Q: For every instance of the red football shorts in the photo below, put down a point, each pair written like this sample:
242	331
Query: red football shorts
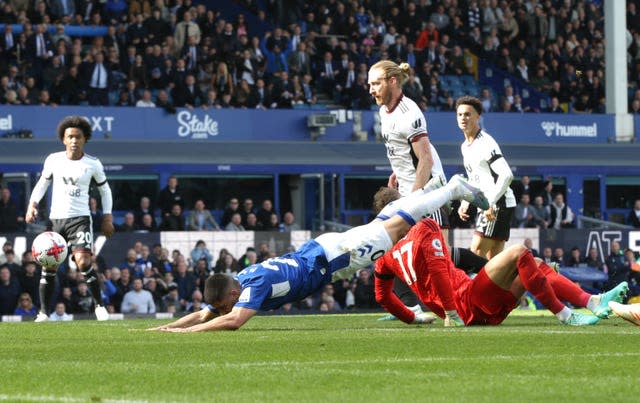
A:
484	303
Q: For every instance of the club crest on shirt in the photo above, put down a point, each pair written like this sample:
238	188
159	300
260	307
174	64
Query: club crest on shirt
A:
437	245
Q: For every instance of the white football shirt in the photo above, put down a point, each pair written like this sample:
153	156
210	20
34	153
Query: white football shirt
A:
71	182
478	156
401	126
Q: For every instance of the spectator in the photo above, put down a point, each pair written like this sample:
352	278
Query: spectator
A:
10	219
363	290
138	300
9	291
593	259
546	194
558	256
523	216
200	252
616	266
14	267
170	195
633	218
252	223
144	208
145	101
174	221
554	106
187	94
529	244
29	278
129	224
229	265
289	222
575	258
541	214
274	223
65	298
171	301
561	215
60	314
25	306
233	206
250	257
264	212
98	81
235	224
185	29
82	299
186	281
201	219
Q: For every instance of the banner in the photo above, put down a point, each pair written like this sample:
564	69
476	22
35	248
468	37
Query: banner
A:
147	124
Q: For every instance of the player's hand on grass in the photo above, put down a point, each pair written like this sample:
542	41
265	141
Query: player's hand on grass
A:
452	319
107	225
423	318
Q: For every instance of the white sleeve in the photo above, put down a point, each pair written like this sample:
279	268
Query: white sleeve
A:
505	176
105	196
39	190
103	188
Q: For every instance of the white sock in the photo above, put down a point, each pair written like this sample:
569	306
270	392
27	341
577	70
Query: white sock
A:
415	309
415	206
564	314
593	303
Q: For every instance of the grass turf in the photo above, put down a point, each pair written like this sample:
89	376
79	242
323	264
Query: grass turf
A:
341	358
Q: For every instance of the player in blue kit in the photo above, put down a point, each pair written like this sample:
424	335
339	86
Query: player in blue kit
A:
232	301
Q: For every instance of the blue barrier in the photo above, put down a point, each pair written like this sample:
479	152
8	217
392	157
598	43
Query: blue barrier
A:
584	274
291	125
71	30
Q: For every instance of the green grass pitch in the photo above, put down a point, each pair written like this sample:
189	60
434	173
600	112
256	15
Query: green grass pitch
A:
322	358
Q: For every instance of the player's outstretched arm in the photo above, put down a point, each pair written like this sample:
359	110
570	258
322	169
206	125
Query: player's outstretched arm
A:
192	319
230	321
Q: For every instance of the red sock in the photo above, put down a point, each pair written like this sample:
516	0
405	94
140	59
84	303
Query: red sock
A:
565	289
536	283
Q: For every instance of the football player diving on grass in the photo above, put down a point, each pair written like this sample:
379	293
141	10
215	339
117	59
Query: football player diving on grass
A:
422	260
232	301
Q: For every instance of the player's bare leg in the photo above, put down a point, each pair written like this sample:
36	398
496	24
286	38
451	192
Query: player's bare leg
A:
486	247
517	263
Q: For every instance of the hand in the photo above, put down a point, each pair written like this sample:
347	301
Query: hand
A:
463	212
107	225
422	318
393	181
176	330
32	213
452	319
490	214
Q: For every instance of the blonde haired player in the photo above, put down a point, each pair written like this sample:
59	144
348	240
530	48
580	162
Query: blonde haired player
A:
71	172
414	160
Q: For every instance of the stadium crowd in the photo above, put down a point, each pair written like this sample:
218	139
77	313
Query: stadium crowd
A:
172	54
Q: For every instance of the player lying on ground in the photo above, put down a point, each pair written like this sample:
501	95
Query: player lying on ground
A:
294	276
630	312
72	172
421	258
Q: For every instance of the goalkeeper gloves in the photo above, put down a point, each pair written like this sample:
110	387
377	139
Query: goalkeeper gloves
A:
452	319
